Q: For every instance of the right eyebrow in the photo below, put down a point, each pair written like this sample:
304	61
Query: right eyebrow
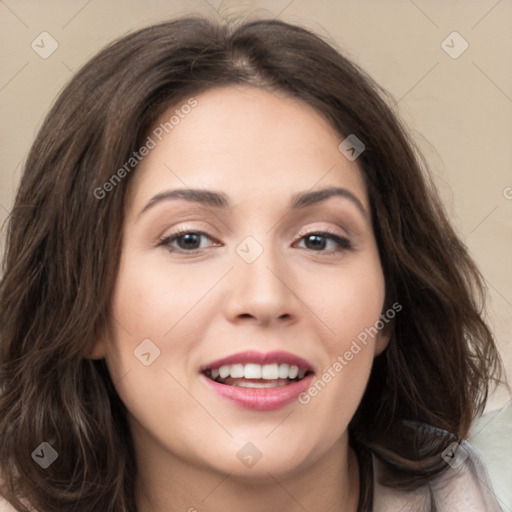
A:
205	197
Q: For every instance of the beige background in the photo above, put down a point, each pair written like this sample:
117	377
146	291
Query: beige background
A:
459	109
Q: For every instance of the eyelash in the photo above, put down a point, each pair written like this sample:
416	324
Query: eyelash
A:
344	244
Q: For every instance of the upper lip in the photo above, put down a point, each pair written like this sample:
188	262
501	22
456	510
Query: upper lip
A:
250	356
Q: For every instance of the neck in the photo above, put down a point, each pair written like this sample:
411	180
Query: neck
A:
330	484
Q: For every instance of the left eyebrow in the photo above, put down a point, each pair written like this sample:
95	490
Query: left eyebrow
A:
214	199
308	198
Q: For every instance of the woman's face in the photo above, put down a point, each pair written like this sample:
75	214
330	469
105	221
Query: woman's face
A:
252	276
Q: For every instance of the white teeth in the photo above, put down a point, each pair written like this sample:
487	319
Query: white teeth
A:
237	371
252	371
283	371
224	371
294	371
272	371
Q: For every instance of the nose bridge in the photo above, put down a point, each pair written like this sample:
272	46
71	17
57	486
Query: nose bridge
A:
256	265
258	282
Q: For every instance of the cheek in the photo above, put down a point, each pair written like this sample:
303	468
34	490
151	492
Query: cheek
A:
142	294
148	336
156	317
138	303
350	306
350	303
151	299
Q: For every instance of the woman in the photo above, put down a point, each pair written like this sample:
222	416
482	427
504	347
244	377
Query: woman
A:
229	286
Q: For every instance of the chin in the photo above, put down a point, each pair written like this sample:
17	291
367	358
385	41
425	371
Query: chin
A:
287	454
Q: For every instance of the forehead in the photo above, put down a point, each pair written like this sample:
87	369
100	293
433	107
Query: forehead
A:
245	141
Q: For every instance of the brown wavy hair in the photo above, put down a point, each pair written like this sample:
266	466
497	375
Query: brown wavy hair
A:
63	249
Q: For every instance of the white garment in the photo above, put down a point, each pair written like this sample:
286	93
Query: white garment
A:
465	488
491	436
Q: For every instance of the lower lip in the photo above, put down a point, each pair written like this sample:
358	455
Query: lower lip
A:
260	399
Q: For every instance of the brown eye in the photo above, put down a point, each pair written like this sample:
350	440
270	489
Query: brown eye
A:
186	241
318	242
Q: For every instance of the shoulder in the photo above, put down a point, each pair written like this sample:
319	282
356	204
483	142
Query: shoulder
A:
5	507
491	436
464	485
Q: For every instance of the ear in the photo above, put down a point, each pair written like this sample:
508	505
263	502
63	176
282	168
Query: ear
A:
98	352
99	349
383	338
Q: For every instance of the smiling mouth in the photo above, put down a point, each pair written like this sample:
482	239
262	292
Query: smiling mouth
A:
253	375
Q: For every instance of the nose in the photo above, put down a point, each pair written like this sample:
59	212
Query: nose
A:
263	291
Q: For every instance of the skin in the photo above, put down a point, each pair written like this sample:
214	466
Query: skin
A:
259	148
